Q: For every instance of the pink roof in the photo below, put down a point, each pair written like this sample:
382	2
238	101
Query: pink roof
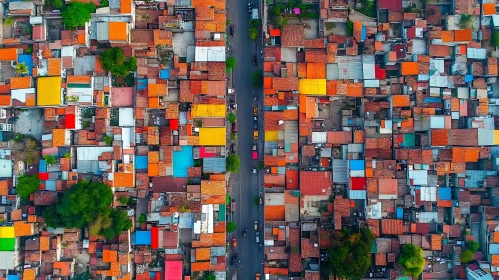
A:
390	5
122	96
204	154
173	270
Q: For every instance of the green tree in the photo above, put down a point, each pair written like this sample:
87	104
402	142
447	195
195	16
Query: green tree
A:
142	219
349	28
123	199
466	21
22	69
411	259
230	63
467	256
253	33
257	78
104	3
472	245
120	223
232	118
209	276
108	140
26	185
256	200
231	227
67	155
114	61
279	21
82	203
495	38
77	14
233	162
26	149
56	4
50	159
9	21
351	254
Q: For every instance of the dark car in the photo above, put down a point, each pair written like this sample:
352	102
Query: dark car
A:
255	125
234	127
233	148
254	60
232	29
234	260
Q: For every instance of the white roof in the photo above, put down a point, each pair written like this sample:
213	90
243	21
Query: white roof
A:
7	259
20	94
91	153
126	117
5	168
428	193
210	54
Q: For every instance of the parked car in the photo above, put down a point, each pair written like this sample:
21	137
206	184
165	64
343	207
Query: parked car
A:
234	127
256	225
234	243
254	155
254	171
255	124
255	134
254	60
233	148
257	238
255	110
254	147
232	29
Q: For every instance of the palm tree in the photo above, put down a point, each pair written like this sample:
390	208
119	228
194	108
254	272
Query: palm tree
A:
22	69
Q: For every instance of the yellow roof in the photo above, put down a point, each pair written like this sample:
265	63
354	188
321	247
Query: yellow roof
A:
48	91
212	136
208	110
271	136
7	232
312	86
496	137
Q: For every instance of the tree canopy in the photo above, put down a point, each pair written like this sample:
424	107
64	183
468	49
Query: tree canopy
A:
26	185
233	162
466	21
77	14
232	118
472	245
88	203
257	78
467	256
114	61
231	227
495	38
50	159
230	63
26	149
411	259
22	69
350	254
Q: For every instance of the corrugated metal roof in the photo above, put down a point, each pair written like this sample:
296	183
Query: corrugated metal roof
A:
214	165
340	171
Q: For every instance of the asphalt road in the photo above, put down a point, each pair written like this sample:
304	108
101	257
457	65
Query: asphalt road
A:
245	184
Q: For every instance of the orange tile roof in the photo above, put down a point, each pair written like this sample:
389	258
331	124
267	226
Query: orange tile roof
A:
153	157
58	137
125	6
53	66
409	68
5	100
464	35
118	31
64	267
20	82
316	70
489	9
22	228
162	37
401	101
8	54
275	213
123	180
200	266
154	90
202	254
153	169
44	243
78	79
29	274
4	187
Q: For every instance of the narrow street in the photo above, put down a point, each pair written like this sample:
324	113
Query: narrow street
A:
245	184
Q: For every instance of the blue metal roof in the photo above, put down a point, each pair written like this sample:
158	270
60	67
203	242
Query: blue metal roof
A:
42	167
141	162
12	277
50	185
143	237
357	164
142	84
164	74
181	161
444	193
27	59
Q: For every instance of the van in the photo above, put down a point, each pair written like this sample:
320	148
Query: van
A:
254	13
257	238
